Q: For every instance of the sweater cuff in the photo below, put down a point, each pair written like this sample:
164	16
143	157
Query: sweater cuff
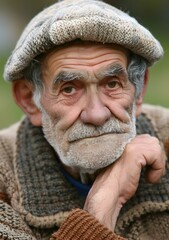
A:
80	225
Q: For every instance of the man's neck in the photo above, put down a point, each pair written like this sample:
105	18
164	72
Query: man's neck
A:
86	177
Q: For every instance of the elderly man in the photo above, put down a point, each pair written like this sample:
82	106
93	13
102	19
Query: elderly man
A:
86	162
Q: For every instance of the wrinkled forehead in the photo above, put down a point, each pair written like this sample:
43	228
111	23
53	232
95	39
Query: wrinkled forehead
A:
83	59
82	49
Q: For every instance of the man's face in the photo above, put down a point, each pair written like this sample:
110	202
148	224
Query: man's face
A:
87	104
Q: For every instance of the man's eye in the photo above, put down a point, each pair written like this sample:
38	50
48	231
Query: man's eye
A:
68	90
112	84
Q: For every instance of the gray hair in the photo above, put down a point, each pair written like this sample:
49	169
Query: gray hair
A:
136	72
33	74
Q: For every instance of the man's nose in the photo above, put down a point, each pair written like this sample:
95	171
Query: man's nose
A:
95	111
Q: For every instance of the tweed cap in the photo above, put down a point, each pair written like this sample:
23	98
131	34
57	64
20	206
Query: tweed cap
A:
88	20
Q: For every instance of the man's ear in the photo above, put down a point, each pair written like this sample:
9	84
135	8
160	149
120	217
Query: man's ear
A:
23	95
140	98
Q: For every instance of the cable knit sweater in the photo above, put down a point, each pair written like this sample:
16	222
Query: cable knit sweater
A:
37	202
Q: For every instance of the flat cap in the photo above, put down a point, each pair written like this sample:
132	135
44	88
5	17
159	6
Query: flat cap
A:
88	20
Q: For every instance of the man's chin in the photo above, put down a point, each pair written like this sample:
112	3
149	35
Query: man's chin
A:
91	154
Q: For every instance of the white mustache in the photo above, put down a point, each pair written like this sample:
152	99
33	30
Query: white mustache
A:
79	130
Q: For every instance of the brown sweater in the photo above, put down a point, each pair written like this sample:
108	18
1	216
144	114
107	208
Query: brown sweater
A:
37	202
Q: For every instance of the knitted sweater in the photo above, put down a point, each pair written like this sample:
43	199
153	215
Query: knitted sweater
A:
37	202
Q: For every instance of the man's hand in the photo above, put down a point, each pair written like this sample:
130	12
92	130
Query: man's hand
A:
119	182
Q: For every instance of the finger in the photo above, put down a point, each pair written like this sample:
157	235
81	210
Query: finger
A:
156	170
154	176
144	138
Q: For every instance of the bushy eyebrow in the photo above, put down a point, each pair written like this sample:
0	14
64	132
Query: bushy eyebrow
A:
113	70
67	76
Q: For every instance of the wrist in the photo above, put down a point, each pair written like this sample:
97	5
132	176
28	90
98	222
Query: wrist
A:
104	214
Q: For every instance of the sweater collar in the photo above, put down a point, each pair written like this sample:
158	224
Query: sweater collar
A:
43	189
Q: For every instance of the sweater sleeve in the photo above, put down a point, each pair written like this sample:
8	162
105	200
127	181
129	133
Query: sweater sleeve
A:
11	224
80	225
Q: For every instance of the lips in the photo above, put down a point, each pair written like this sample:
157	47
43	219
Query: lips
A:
83	136
80	130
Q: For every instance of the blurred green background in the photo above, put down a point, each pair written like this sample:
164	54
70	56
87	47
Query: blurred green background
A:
14	15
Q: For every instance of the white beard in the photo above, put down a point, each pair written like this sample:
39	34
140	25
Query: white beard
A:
86	147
